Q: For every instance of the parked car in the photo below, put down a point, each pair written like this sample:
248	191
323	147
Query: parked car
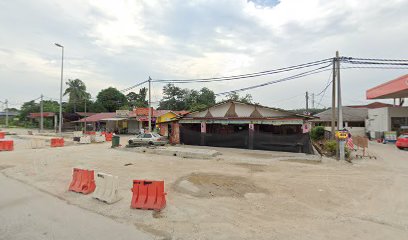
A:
402	141
148	139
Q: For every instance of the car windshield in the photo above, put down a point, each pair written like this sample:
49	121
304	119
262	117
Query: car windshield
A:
403	136
156	135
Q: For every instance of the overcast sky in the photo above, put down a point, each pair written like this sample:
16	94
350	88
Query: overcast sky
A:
120	43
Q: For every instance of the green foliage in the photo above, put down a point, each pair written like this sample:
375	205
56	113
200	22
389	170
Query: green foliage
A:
175	98
138	99
330	146
76	91
317	133
111	99
233	96
312	111
96	107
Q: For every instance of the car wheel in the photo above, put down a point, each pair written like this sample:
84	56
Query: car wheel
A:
400	148
130	142
150	143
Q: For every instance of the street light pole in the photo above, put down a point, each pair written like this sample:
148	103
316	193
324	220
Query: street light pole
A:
62	73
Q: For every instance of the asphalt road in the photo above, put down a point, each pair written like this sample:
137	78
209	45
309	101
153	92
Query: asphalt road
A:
27	213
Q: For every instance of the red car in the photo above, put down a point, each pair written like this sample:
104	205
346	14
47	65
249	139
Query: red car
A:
402	141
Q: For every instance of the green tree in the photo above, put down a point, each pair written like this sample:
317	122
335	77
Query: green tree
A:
76	91
173	98
111	99
138	99
233	96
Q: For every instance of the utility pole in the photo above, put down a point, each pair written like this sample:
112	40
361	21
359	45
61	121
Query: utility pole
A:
60	100
339	109
6	110
150	105
313	101
333	117
41	114
307	102
85	116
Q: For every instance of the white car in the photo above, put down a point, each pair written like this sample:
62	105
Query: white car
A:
148	139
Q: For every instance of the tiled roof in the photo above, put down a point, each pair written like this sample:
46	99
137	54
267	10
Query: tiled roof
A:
98	116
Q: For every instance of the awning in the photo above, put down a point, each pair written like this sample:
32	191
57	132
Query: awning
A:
397	88
113	119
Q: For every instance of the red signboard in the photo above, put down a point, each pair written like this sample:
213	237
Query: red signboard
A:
142	111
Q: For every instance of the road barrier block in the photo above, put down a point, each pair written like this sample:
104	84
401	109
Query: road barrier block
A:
85	140
6	145
78	134
148	195
2	135
37	143
57	142
108	137
82	181
90	133
106	188
99	139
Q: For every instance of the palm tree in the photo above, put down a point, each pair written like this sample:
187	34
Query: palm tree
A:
76	91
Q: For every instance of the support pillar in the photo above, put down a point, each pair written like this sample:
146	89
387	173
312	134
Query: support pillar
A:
251	136
203	132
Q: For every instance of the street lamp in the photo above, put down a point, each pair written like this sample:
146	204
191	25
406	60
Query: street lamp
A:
62	72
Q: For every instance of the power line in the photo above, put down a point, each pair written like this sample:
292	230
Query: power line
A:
249	75
303	74
130	88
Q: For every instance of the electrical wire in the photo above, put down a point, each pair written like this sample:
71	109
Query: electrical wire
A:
137	85
249	75
303	74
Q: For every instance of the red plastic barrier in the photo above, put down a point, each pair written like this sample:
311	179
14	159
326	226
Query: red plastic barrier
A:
2	134
57	142
83	181
148	195
6	145
90	133
108	137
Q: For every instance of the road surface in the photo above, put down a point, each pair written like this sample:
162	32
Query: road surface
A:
27	213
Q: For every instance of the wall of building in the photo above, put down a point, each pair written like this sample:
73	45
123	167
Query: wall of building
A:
379	119
133	126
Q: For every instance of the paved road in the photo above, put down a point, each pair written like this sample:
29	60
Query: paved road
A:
26	213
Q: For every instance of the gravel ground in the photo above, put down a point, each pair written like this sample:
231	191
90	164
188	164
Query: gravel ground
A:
239	194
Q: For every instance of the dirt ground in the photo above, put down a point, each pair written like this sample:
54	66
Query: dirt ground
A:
239	194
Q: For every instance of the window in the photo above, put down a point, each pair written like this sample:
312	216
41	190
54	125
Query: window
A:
147	135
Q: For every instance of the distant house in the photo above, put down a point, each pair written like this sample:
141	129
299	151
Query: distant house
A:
11	115
251	126
168	126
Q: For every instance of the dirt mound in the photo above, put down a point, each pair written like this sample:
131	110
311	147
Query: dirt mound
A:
207	185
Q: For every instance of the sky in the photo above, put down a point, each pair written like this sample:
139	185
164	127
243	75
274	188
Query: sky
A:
121	43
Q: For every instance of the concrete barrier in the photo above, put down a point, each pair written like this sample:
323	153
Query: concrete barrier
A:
85	140
37	143
106	188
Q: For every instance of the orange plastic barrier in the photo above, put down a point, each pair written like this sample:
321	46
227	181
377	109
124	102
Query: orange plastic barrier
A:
57	142
82	181
108	137
148	195
2	134
6	145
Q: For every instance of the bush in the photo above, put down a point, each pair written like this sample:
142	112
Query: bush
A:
317	133
330	146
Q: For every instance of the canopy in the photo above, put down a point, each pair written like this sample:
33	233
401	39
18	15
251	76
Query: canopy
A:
397	88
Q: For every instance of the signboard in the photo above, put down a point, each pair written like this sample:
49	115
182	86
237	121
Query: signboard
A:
122	113
390	136
341	135
251	126
142	111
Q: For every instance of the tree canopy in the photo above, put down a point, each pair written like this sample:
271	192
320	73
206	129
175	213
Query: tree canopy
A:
138	99
236	97
76	91
176	98
111	99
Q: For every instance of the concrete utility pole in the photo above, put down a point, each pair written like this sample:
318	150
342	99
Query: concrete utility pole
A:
307	102
6	110
150	105
85	116
41	114
313	100
62	74
339	109
333	117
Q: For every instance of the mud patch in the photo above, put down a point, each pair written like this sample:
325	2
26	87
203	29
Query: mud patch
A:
253	167
2	167
310	161
207	185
